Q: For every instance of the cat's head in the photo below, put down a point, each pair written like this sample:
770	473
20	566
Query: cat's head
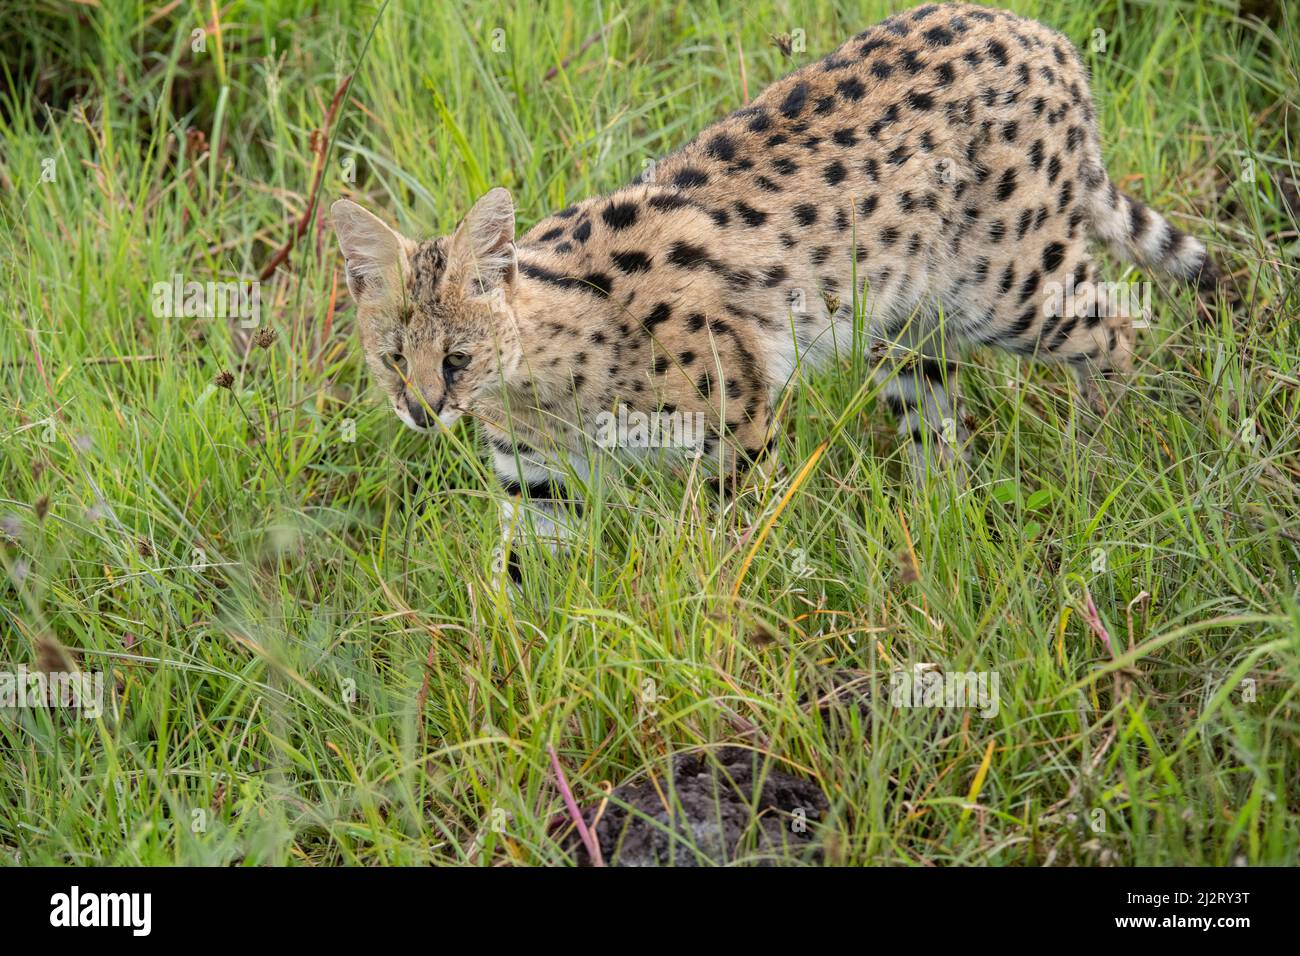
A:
436	317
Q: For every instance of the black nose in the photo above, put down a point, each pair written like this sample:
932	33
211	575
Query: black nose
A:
419	414
423	412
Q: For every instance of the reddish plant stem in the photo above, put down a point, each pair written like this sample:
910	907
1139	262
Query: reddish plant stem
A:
593	849
321	149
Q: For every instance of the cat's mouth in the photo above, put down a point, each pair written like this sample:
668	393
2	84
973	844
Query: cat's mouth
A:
445	418
405	417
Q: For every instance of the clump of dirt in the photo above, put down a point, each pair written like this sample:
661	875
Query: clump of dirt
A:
842	688
713	808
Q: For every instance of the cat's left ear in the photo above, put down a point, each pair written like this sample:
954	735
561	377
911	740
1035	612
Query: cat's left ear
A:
485	242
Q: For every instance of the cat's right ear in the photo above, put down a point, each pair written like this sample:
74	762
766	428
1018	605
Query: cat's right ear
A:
375	253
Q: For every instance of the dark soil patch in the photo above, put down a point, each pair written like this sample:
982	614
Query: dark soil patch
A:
717	807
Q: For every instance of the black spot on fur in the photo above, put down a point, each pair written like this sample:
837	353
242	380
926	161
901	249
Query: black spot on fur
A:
665	201
1067	194
659	315
1052	256
752	216
911	62
619	215
759	121
1036	155
1029	286
631	261
890	116
721	147
687	255
1006	185
851	88
794	101
1007	280
596	283
1137	219
599	283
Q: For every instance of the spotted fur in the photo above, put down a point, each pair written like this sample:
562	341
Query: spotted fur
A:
941	171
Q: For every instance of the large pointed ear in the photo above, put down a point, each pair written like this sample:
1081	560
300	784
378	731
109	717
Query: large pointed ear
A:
373	251
485	241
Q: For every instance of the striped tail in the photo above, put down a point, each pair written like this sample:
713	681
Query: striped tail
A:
1139	234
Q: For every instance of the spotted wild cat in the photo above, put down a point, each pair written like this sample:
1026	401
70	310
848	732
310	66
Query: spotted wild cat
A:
940	175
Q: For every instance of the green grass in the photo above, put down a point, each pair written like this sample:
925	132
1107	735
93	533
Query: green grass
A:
307	658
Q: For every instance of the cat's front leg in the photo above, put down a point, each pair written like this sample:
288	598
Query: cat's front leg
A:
541	502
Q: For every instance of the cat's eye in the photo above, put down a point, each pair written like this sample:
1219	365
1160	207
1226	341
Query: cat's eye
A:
395	361
456	360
